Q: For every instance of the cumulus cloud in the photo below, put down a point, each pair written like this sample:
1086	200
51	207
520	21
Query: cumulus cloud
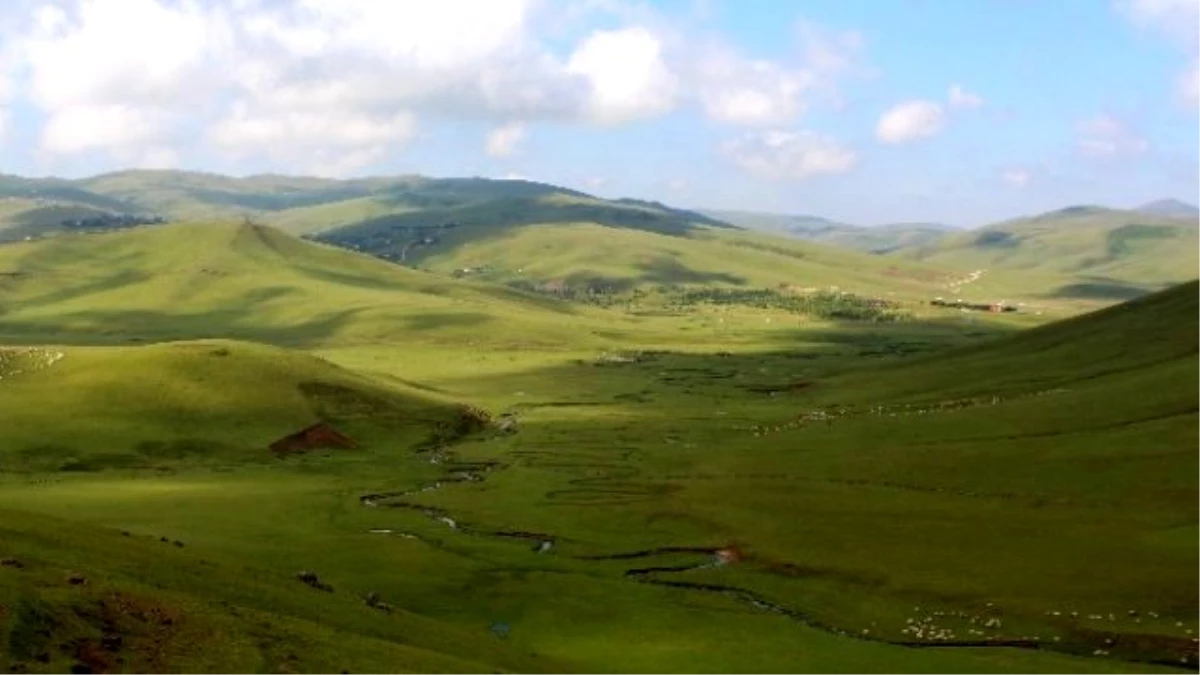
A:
1105	136
305	81
1016	177
734	88
1177	22
1189	85
792	155
503	141
961	98
309	83
910	121
746	91
629	79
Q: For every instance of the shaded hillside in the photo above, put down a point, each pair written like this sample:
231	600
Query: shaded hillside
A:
1170	207
403	236
1152	330
85	598
209	402
243	281
875	239
31	208
1112	254
609	258
360	208
364	208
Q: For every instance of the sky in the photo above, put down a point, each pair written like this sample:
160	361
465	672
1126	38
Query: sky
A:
866	111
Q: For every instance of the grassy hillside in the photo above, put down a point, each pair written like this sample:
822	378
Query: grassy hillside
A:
876	239
207	402
711	478
997	491
244	281
1110	254
590	254
1039	489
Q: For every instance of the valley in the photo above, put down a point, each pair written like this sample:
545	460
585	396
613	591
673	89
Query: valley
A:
228	447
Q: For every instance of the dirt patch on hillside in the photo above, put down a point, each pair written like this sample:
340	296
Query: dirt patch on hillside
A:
319	435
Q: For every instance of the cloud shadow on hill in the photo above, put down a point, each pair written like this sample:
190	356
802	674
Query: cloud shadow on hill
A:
1101	288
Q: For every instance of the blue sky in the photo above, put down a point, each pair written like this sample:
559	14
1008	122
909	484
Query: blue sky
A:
869	111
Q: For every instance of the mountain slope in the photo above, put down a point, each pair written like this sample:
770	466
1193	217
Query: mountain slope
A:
595	254
877	239
302	205
243	281
1170	207
1142	333
1109	252
189	402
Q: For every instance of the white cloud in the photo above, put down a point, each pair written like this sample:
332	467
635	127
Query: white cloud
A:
1177	21
910	121
595	182
1105	136
629	79
1016	177
960	98
1189	85
263	77
789	155
503	141
677	184
326	142
736	89
338	86
744	91
91	126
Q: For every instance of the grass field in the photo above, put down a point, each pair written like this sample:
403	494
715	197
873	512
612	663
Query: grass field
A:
541	485
1115	255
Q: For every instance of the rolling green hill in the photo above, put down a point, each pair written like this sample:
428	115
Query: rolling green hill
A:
207	402
572	245
876	239
878	505
1110	254
248	282
1039	488
303	205
714	478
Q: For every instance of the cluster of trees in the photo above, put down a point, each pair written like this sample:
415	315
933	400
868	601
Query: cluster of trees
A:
110	220
592	294
822	304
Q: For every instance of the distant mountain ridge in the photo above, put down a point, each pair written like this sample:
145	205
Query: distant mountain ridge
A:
1118	253
32	207
1170	207
868	239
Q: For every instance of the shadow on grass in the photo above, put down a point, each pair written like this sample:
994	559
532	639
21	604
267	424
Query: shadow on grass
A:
1101	289
436	320
125	326
497	216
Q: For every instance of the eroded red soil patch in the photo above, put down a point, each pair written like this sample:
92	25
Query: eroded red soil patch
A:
319	435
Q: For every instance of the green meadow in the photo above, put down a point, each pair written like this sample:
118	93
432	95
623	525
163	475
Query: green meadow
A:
646	481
